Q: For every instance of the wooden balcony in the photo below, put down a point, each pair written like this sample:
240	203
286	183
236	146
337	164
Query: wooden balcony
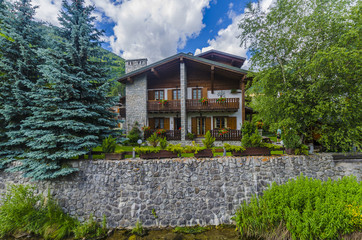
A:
170	134
170	106
232	135
229	105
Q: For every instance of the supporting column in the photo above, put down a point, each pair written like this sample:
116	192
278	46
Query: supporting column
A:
242	83
183	86
212	79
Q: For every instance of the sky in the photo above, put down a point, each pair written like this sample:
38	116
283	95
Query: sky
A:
156	29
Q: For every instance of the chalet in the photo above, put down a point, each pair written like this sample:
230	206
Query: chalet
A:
187	94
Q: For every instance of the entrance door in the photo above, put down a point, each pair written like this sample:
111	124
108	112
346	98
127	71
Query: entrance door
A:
201	126
177	123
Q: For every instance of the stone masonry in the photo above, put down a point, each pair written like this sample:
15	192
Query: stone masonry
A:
136	105
183	191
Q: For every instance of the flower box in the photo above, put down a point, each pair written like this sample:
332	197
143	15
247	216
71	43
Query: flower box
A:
160	154
206	153
290	151
114	156
256	151
237	154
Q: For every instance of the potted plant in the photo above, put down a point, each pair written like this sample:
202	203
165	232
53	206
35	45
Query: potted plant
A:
208	144
235	150
221	100
154	139
109	146
176	149
259	125
204	101
254	145
160	132
163	102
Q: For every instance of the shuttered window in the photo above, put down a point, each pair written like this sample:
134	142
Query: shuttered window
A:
220	122
159	123
196	93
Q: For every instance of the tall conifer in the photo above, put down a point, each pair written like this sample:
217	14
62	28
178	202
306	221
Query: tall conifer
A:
71	109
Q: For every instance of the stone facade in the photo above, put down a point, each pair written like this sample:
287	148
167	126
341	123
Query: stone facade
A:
182	191
134	64
136	102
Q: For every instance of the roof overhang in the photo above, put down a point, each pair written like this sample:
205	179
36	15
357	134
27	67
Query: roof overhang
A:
180	57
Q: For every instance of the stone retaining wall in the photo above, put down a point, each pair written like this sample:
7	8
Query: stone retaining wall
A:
182	191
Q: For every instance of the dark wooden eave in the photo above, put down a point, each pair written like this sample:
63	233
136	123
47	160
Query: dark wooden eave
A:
180	57
223	57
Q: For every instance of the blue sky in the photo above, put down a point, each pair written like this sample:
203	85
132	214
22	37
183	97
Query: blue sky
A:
156	29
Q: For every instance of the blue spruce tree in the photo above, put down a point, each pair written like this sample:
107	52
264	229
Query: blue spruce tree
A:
69	101
18	43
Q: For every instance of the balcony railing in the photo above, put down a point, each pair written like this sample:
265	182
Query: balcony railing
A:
170	106
230	104
232	135
170	134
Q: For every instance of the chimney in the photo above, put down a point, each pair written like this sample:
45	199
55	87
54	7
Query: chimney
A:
134	64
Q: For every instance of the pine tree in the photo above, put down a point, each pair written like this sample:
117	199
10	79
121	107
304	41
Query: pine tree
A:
70	106
18	68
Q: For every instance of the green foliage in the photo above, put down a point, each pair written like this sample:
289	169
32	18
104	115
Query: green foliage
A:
163	143
299	82
191	136
145	150
134	135
233	148
175	148
109	144
208	141
91	229
307	208
154	140
190	230
138	229
272	147
195	148
248	128
22	209
302	150
254	140
291	140
154	213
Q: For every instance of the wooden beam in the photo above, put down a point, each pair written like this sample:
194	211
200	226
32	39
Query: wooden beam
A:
181	59
212	78
242	83
154	71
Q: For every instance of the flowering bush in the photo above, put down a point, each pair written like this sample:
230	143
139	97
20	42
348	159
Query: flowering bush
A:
223	131
146	128
160	131
163	101
203	100
259	124
221	100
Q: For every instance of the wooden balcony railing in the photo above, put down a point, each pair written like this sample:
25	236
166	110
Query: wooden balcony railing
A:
232	135
170	134
230	104
170	106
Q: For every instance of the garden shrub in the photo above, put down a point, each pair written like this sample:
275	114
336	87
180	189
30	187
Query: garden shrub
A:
306	208
233	148
253	140
175	148
153	140
163	143
134	135
208	141
145	150
109	144
291	140
248	128
23	210
195	148
191	136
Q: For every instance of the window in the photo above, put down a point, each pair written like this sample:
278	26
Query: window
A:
159	95
176	94
220	122
159	123
196	93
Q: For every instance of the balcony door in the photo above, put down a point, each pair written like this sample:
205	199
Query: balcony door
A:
200	125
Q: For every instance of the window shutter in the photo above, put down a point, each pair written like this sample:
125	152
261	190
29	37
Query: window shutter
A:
151	123
151	95
194	125
166	123
169	94
208	124
204	92
231	122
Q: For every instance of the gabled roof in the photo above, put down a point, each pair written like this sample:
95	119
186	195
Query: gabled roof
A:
182	56
216	55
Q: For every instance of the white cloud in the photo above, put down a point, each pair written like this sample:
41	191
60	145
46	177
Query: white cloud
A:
226	39
153	29
47	10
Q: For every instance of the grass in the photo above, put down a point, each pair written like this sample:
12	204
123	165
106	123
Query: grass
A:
190	230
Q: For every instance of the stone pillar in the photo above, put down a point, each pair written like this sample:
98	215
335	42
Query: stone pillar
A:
183	86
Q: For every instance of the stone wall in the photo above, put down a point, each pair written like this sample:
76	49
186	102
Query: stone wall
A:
182	191
136	102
